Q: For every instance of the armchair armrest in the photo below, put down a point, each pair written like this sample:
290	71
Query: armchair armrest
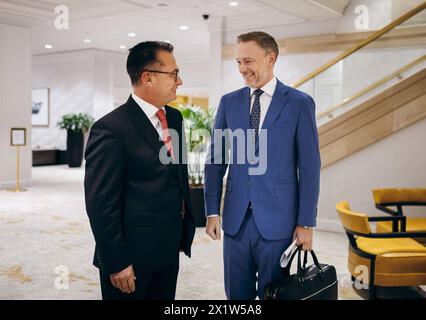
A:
397	235
394	220
387	210
389	235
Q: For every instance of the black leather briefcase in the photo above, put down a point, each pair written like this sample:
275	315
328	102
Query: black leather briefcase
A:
315	282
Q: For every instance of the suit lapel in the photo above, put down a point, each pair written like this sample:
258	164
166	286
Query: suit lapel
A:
244	116
279	100
173	123
143	125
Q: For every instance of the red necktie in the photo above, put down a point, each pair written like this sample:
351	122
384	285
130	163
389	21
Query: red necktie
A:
167	139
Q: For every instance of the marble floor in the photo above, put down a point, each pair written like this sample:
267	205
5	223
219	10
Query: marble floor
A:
45	239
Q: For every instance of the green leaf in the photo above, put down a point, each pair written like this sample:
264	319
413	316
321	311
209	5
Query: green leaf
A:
80	122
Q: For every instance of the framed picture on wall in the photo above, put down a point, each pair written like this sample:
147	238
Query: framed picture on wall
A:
40	107
18	137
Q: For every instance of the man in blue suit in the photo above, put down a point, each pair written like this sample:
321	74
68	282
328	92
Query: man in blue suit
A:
270	203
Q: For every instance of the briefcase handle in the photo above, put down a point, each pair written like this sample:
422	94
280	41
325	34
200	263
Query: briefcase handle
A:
286	270
314	258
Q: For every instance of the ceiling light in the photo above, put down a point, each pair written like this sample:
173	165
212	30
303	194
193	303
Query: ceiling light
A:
87	40
122	47
168	41
183	27
233	3
131	34
48	46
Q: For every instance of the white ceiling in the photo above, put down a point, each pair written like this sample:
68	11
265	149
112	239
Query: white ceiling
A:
107	22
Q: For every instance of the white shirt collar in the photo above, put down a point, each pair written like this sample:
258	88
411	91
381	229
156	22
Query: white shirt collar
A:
149	109
268	88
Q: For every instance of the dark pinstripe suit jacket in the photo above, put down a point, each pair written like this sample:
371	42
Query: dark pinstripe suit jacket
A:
133	200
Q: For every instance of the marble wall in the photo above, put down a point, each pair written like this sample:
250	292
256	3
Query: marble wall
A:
69	78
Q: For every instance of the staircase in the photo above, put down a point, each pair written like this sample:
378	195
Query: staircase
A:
372	129
388	95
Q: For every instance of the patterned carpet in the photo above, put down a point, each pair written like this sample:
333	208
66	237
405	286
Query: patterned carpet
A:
45	239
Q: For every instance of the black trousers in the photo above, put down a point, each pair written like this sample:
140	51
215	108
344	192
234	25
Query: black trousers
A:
149	286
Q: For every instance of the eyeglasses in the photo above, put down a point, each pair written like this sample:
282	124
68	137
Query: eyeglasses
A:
175	73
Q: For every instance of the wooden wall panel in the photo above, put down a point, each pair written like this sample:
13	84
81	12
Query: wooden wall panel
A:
381	116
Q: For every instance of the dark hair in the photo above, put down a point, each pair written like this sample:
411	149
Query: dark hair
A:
144	55
264	40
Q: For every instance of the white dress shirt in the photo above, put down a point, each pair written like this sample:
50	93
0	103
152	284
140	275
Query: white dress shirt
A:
150	112
265	99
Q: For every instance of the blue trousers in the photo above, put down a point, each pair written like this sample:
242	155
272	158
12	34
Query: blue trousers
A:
250	261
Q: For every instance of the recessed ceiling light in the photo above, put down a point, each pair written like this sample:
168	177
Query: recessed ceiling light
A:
168	41
48	46
131	34
87	40
233	3
122	47
183	27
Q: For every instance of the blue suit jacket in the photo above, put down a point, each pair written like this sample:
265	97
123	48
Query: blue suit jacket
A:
287	192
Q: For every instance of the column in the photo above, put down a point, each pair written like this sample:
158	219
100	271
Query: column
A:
15	102
215	63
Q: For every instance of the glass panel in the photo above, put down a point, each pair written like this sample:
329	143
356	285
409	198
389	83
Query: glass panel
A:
371	70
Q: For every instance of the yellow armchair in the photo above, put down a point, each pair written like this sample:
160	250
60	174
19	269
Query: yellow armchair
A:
399	198
392	259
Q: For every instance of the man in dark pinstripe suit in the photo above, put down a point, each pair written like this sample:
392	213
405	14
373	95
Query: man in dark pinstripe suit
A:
139	208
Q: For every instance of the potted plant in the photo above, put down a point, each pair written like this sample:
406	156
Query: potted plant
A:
76	125
198	128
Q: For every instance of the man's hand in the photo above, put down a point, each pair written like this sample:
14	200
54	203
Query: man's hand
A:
124	280
304	237
213	227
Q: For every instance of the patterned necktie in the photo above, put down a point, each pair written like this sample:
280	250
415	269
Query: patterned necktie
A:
167	139
255	117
